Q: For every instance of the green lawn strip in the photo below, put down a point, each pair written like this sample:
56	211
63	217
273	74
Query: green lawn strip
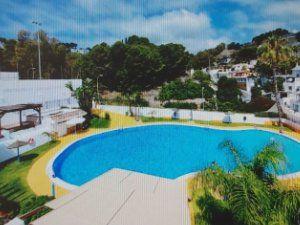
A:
211	123
160	119
13	175
221	124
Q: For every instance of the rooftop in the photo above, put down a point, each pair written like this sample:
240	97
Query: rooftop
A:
18	107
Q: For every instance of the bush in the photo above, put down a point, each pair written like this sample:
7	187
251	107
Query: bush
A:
259	104
107	116
226	106
98	122
34	203
180	105
9	207
214	211
267	114
189	89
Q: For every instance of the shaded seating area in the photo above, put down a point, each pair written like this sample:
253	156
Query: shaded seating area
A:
67	121
31	120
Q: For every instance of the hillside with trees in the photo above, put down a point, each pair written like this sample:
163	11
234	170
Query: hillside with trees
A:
135	65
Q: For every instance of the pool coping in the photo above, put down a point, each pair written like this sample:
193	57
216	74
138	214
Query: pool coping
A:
57	181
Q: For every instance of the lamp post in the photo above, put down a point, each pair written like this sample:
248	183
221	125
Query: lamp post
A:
39	48
99	76
202	97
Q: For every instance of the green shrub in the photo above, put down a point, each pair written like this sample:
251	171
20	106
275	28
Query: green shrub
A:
107	116
180	105
259	104
98	122
8	206
34	203
189	89
267	114
214	211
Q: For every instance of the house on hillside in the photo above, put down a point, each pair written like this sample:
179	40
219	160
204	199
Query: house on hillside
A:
292	88
244	73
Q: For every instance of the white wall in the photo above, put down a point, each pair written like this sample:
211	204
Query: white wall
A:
5	76
187	114
36	134
51	93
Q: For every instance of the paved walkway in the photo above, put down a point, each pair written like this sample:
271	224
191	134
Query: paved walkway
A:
122	197
38	179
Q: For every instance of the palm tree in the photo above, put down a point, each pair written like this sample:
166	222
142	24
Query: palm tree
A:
245	196
273	53
85	95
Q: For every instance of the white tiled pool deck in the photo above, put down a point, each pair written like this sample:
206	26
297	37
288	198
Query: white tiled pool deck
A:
121	197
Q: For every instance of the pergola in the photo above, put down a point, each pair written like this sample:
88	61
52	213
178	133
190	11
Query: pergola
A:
19	108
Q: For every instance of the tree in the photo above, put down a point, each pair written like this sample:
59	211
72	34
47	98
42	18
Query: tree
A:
258	40
175	58
136	40
245	54
228	90
142	67
250	194
85	95
203	58
189	89
234	46
202	77
298	36
273	53
255	92
23	36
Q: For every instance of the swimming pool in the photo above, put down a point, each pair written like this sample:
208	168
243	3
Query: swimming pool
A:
165	150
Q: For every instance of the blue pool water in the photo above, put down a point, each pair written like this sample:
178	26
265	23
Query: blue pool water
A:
168	151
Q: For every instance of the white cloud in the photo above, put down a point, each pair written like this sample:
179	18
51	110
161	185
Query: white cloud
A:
190	29
188	22
284	9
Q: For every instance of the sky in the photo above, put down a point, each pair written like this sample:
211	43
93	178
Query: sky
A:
197	24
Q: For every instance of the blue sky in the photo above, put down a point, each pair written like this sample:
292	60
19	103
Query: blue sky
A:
197	24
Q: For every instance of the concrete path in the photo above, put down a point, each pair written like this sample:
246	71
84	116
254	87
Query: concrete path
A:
121	197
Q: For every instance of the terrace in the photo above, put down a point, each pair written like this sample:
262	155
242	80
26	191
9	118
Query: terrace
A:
143	202
30	122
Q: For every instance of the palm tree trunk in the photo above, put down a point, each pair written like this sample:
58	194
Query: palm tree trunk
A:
277	99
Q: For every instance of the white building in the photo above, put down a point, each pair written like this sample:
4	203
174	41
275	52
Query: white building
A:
292	88
242	72
216	74
52	94
245	84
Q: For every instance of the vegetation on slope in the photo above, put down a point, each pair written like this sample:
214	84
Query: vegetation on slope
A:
16	195
250	194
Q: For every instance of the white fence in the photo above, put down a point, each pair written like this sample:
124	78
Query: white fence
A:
51	93
37	134
291	115
187	114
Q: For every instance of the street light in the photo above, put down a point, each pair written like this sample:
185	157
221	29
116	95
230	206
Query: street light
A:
202	98
99	76
39	48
